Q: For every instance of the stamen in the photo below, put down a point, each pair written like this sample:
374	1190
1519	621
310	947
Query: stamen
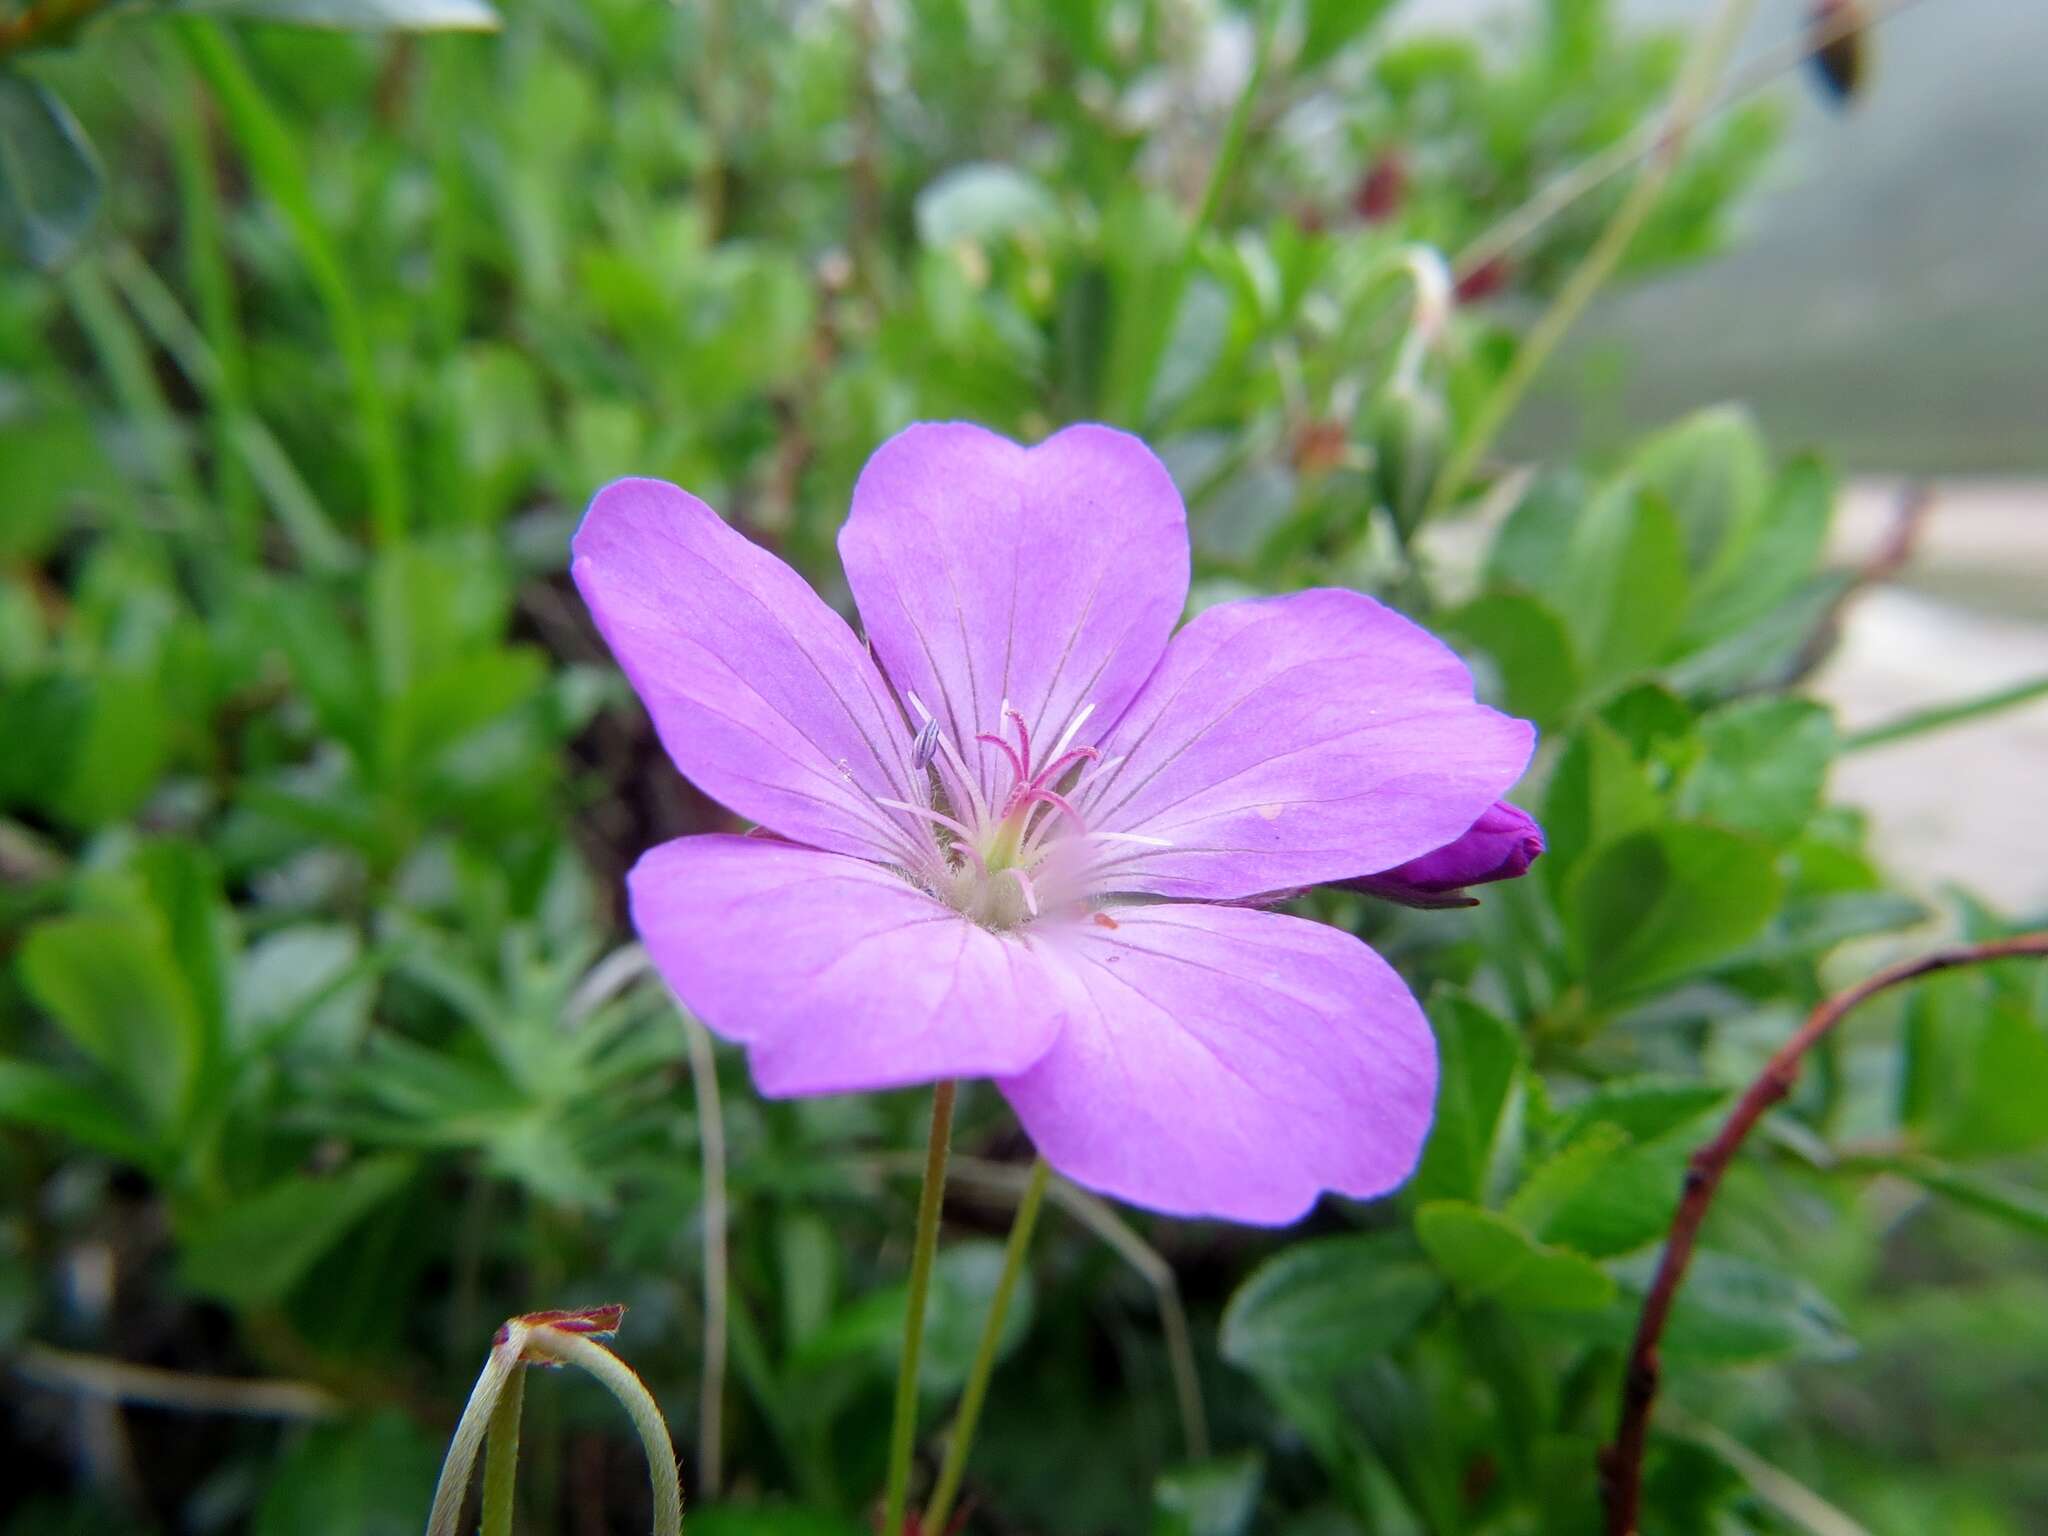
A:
926	746
973	854
1018	765
1073	729
1132	837
1050	774
928	813
1023	739
1054	798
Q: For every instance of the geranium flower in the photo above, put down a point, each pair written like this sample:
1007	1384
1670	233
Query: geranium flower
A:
1030	843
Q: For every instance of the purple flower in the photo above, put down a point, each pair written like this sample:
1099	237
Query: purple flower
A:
1500	845
1021	847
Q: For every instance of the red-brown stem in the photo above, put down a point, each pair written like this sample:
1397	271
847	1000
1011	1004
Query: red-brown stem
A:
1621	1464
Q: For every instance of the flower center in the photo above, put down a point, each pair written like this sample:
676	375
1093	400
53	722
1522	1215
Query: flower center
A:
1006	859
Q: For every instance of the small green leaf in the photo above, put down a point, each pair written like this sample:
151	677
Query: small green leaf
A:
49	177
370	1479
963	1283
1531	650
357	15
1598	795
2003	1109
112	986
2015	1204
1565	1175
1321	1307
1214	1498
1623	588
1644	1107
1777	558
1665	903
1486	1257
1478	1055
254	1251
1712	472
49	1101
1733	1310
1762	767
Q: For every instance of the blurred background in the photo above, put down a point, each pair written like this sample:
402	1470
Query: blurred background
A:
324	1045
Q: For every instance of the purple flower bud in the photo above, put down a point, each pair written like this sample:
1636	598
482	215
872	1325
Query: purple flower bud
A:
1500	845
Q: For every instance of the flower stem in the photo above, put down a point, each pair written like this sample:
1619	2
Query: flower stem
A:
711	1138
903	1436
501	1458
955	1464
450	1493
619	1378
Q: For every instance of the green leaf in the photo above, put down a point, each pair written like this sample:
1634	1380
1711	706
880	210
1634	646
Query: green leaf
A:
2003	1109
2015	1204
1643	1107
254	1251
1664	904
1531	651
1329	26
49	177
982	202
1733	1311
1556	1181
1325	1305
112	986
37	1096
1630	1204
305	988
1712	472
1762	766
1486	1257
357	15
1623	587
1478	1055
1531	550
1780	554
1214	1498
1598	794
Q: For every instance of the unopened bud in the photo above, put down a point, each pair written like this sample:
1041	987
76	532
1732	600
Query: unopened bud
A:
1382	189
1840	37
1500	845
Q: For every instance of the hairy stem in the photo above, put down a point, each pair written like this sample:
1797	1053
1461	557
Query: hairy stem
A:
955	1464
445	1518
1621	1464
903	1436
501	1458
623	1383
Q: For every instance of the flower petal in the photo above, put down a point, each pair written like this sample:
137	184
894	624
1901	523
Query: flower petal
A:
984	571
1220	1061
1288	741
761	694
838	975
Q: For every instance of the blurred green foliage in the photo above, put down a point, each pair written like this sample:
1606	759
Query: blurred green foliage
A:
316	790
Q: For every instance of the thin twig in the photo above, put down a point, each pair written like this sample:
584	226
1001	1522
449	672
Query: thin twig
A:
1565	189
711	1143
1621	1464
1673	130
63	1370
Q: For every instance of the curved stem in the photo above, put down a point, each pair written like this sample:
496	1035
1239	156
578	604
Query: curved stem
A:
501	1458
620	1379
445	1518
955	1464
903	1436
1687	100
1621	1464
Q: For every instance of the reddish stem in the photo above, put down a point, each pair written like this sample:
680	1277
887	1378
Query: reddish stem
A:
1621	1464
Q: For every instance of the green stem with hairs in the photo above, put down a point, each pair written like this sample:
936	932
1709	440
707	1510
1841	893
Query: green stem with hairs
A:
903	1435
1688	100
955	1465
1941	716
445	1519
501	1457
623	1383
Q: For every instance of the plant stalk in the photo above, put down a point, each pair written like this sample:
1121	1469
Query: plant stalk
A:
955	1465
501	1458
903	1436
